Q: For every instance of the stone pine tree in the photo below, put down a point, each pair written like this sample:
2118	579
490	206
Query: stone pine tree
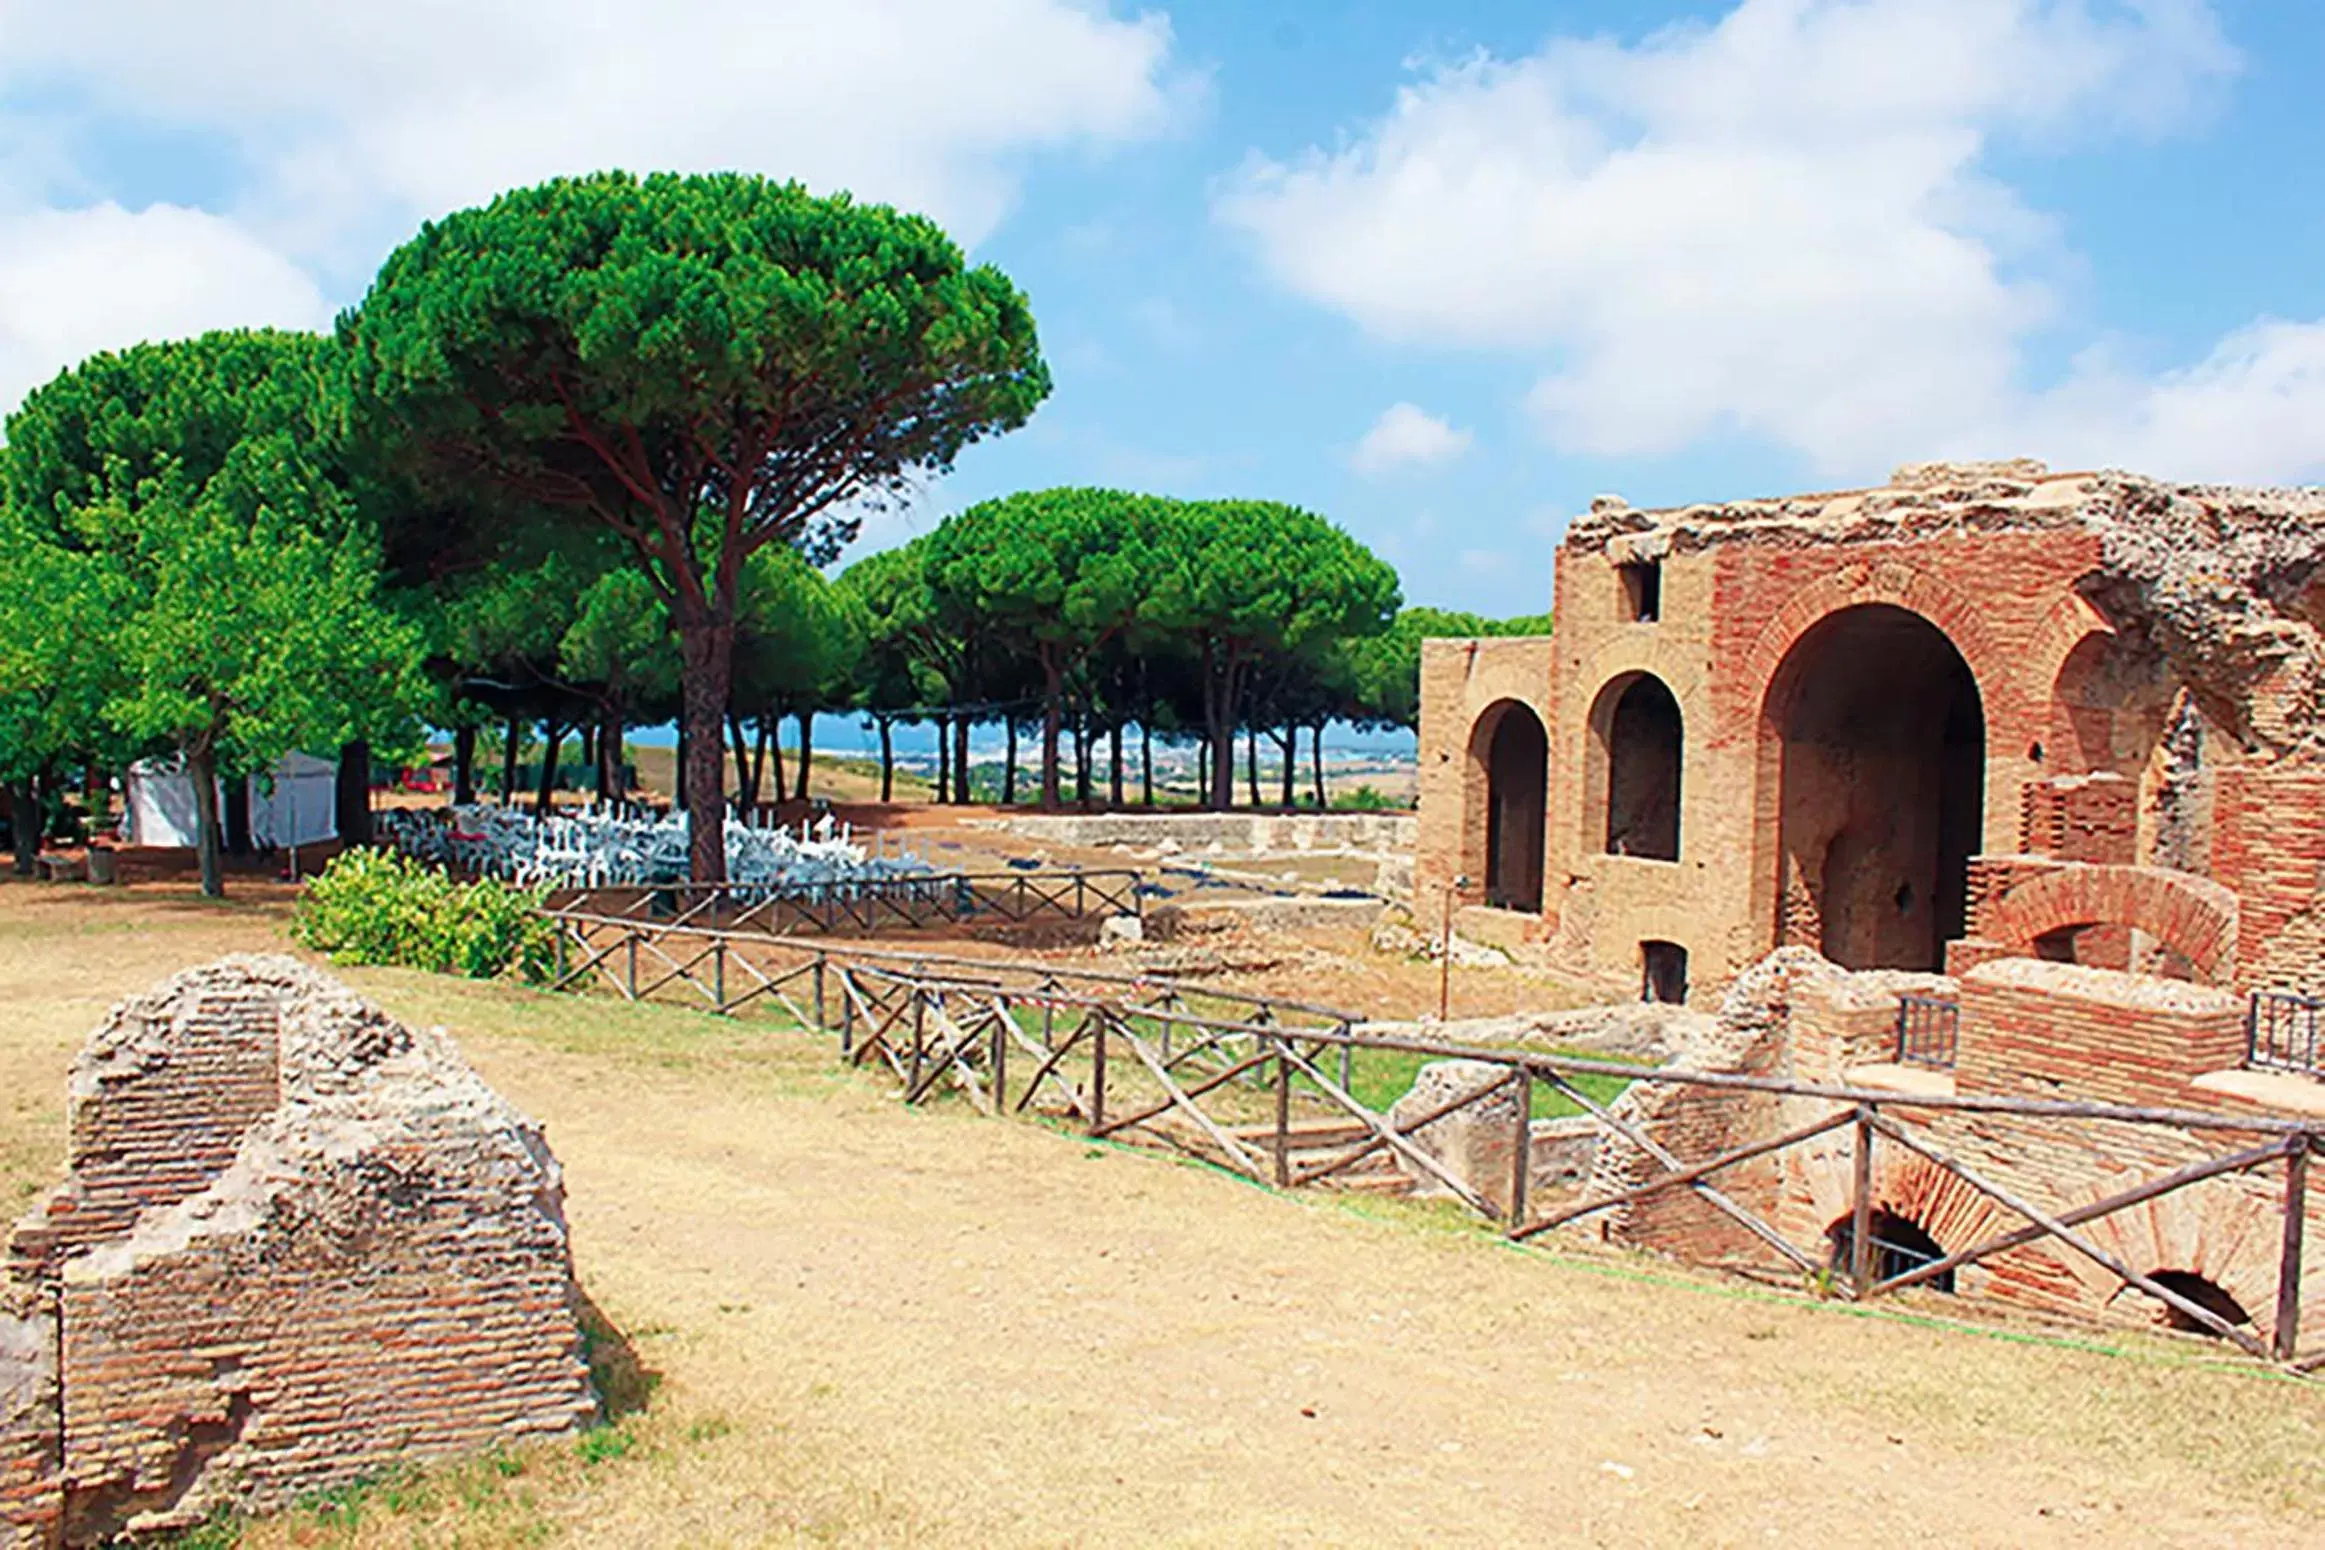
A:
706	364
1060	573
186	488
1249	581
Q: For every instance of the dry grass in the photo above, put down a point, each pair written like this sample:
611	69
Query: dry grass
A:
859	1323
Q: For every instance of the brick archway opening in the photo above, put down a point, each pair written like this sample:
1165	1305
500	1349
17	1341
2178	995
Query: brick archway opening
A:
1900	1244
2205	1293
1881	740
1511	746
1640	741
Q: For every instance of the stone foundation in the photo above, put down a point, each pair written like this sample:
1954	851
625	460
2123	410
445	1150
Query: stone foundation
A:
300	1243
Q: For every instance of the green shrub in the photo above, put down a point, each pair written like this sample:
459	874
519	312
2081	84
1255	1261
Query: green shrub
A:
375	906
1368	799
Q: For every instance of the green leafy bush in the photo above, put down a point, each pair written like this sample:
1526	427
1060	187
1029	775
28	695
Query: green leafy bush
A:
374	906
1368	799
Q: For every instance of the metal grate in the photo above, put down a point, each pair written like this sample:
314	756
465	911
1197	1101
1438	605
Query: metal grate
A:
1928	1028
2281	1029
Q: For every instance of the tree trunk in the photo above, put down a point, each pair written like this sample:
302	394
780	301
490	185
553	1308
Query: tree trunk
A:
24	826
609	755
1145	765
552	744
887	760
1203	770
351	809
1081	760
746	773
806	751
202	769
770	735
97	794
1053	681
1009	763
464	765
1290	744
1323	801
238	842
586	753
510	748
679	796
1114	764
944	762
1251	762
1219	725
707	646
963	793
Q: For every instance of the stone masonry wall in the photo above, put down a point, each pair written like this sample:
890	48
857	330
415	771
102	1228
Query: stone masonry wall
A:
372	1269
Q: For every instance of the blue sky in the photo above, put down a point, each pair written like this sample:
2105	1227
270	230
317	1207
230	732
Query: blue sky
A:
1439	271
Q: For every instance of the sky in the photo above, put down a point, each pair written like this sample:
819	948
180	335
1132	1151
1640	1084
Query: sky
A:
1440	271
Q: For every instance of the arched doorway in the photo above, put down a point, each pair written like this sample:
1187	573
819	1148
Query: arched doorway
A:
1642	740
1515	752
1882	741
1900	1244
2205	1293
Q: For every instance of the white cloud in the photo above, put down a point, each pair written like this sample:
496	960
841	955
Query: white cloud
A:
1780	225
76	282
342	126
1407	436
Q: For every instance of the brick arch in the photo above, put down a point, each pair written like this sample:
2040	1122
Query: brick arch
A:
1905	1184
1954	613
2193	916
2227	1230
2070	622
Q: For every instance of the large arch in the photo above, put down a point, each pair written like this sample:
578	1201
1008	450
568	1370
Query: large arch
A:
1512	748
2192	916
1879	734
1638	750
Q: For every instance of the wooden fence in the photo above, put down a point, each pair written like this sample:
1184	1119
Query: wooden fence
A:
1271	1090
911	903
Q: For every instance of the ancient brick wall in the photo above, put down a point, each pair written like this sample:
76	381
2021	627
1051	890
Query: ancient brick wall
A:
2097	736
2029	1029
375	1270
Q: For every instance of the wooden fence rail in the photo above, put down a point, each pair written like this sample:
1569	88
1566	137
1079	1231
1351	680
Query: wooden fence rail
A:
911	903
1267	1089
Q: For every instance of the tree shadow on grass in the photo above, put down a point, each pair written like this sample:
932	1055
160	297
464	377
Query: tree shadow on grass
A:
624	1382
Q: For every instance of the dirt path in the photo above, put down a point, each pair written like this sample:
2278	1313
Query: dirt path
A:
892	1326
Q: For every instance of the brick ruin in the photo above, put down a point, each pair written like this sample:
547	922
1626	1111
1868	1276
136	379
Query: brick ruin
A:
1983	708
300	1243
2043	753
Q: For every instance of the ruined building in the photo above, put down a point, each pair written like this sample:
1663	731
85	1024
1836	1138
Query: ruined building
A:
1992	782
1987	710
300	1244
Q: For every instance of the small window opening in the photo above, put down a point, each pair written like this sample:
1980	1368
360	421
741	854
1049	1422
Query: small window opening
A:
1643	589
1899	1245
2206	1294
1663	973
2057	946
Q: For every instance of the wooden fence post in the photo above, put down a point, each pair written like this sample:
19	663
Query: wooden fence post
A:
1521	1147
1861	1260
632	942
2288	1333
919	1009
1098	1075
822	1018
1001	1019
1283	1117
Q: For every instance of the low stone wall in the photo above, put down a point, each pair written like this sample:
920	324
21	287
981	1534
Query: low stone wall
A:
300	1243
1241	833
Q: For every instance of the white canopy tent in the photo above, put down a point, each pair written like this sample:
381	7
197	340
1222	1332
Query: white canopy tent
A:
295	803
